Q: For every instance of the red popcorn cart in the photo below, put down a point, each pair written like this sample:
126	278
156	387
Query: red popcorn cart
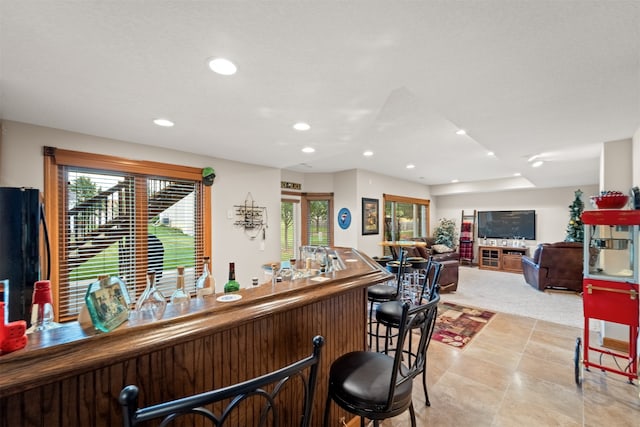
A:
610	288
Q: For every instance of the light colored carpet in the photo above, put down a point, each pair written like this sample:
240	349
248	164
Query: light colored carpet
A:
509	293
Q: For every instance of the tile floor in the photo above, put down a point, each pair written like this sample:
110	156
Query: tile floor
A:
519	371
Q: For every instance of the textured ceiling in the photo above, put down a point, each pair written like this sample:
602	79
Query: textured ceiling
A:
398	78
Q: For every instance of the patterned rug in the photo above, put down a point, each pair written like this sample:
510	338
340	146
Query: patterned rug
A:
456	325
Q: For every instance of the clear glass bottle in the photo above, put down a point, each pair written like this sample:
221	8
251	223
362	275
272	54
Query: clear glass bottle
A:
151	304
286	273
232	285
180	297
274	274
42	309
295	273
205	285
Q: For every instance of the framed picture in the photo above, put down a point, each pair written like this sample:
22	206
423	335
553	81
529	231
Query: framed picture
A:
370	216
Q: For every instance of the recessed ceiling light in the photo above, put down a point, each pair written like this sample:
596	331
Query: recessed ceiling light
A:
537	164
410	166
491	154
455	180
368	153
302	126
461	132
517	174
308	150
532	158
163	122
222	66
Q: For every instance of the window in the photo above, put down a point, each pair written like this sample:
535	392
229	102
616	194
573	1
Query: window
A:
289	228
317	219
120	217
404	218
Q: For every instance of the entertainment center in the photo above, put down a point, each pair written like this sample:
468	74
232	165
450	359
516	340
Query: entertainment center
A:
501	258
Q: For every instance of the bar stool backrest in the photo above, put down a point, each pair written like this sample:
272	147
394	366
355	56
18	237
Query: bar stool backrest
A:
194	404
430	284
422	317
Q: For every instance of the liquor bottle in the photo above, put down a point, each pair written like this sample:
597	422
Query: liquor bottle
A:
42	308
107	304
151	304
274	274
232	285
180	297
205	285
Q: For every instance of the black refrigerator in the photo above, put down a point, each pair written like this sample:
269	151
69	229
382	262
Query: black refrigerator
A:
19	248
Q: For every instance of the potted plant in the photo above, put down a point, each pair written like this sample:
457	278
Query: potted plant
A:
445	233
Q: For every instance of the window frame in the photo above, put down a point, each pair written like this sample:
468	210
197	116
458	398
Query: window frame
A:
410	200
304	211
55	158
295	199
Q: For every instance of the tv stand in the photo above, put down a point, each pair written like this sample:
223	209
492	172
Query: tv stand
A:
501	258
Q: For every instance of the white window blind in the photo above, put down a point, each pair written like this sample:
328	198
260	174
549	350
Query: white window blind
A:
124	223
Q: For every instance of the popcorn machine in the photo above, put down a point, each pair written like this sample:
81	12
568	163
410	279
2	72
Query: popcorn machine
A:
610	287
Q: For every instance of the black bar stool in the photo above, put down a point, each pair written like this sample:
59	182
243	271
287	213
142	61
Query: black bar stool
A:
301	375
389	314
384	292
415	276
378	386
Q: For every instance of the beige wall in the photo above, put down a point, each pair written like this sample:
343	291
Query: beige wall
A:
21	165
551	206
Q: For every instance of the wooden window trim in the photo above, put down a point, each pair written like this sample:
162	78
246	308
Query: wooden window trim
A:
403	199
54	158
304	212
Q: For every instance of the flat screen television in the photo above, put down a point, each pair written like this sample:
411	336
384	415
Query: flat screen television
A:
507	224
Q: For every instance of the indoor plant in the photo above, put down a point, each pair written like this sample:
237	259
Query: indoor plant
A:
445	232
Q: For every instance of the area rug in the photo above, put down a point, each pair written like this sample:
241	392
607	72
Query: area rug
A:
504	292
456	325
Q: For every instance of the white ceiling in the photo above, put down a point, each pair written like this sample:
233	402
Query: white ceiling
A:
398	78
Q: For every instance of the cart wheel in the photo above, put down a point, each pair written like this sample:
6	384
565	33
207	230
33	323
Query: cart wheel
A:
579	366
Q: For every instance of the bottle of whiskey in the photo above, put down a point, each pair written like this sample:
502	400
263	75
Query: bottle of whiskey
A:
180	297
205	285
232	285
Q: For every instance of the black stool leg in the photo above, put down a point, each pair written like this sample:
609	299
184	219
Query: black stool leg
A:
412	412
370	324
327	407
424	384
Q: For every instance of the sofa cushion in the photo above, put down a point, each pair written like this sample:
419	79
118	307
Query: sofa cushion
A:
423	252
441	249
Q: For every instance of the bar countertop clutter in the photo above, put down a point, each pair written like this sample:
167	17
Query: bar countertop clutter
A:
80	373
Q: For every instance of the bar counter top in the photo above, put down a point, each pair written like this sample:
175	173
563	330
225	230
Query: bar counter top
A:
70	350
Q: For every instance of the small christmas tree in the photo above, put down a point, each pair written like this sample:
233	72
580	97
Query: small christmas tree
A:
575	231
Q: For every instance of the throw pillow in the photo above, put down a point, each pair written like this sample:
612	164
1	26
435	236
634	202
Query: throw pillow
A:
441	249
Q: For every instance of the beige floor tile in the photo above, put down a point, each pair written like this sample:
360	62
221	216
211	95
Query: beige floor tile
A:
516	413
519	372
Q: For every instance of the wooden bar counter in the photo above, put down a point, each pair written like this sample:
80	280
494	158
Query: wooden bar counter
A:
72	377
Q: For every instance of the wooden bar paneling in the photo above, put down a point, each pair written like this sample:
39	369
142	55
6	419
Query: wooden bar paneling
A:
77	382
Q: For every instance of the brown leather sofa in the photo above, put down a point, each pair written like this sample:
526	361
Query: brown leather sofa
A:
450	262
555	265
